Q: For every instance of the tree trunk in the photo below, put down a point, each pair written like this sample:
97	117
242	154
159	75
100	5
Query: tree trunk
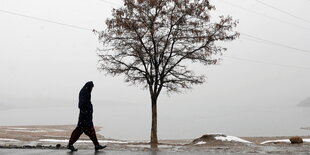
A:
154	140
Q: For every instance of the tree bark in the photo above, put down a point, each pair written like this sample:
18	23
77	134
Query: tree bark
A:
154	139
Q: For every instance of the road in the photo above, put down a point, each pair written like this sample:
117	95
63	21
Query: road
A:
92	152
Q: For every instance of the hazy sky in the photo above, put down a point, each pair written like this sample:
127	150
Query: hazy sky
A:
47	64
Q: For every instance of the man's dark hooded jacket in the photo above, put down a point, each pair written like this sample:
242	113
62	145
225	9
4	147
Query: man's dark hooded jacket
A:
85	106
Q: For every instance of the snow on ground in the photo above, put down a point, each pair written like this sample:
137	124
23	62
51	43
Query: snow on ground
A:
201	143
231	138
56	130
283	141
223	137
9	140
81	141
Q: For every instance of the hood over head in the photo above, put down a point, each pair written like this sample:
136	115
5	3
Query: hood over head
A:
89	84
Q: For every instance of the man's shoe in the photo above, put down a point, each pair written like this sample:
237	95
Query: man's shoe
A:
72	148
99	147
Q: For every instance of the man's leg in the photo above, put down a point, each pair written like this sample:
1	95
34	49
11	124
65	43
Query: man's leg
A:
91	133
74	137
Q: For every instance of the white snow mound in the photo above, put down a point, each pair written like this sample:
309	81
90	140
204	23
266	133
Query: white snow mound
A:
9	140
219	137
283	141
231	138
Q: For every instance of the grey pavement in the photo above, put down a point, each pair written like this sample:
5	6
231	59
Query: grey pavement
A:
92	152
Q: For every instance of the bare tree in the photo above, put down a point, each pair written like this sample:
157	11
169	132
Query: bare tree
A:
152	42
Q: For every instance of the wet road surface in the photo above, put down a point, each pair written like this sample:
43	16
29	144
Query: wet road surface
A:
103	152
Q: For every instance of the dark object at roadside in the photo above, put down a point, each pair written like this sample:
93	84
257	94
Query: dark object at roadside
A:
99	147
296	140
28	147
58	146
39	146
72	148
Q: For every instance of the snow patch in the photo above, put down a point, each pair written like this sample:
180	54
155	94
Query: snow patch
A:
56	140
276	141
283	141
9	140
201	143
219	137
231	138
112	141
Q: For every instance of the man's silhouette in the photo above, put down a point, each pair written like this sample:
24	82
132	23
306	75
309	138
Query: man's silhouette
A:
85	123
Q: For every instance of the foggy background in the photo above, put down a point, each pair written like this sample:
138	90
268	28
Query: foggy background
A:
254	91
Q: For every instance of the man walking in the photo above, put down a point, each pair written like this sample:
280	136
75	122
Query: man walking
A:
85	123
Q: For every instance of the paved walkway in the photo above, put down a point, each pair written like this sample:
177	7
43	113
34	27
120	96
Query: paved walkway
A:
92	152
